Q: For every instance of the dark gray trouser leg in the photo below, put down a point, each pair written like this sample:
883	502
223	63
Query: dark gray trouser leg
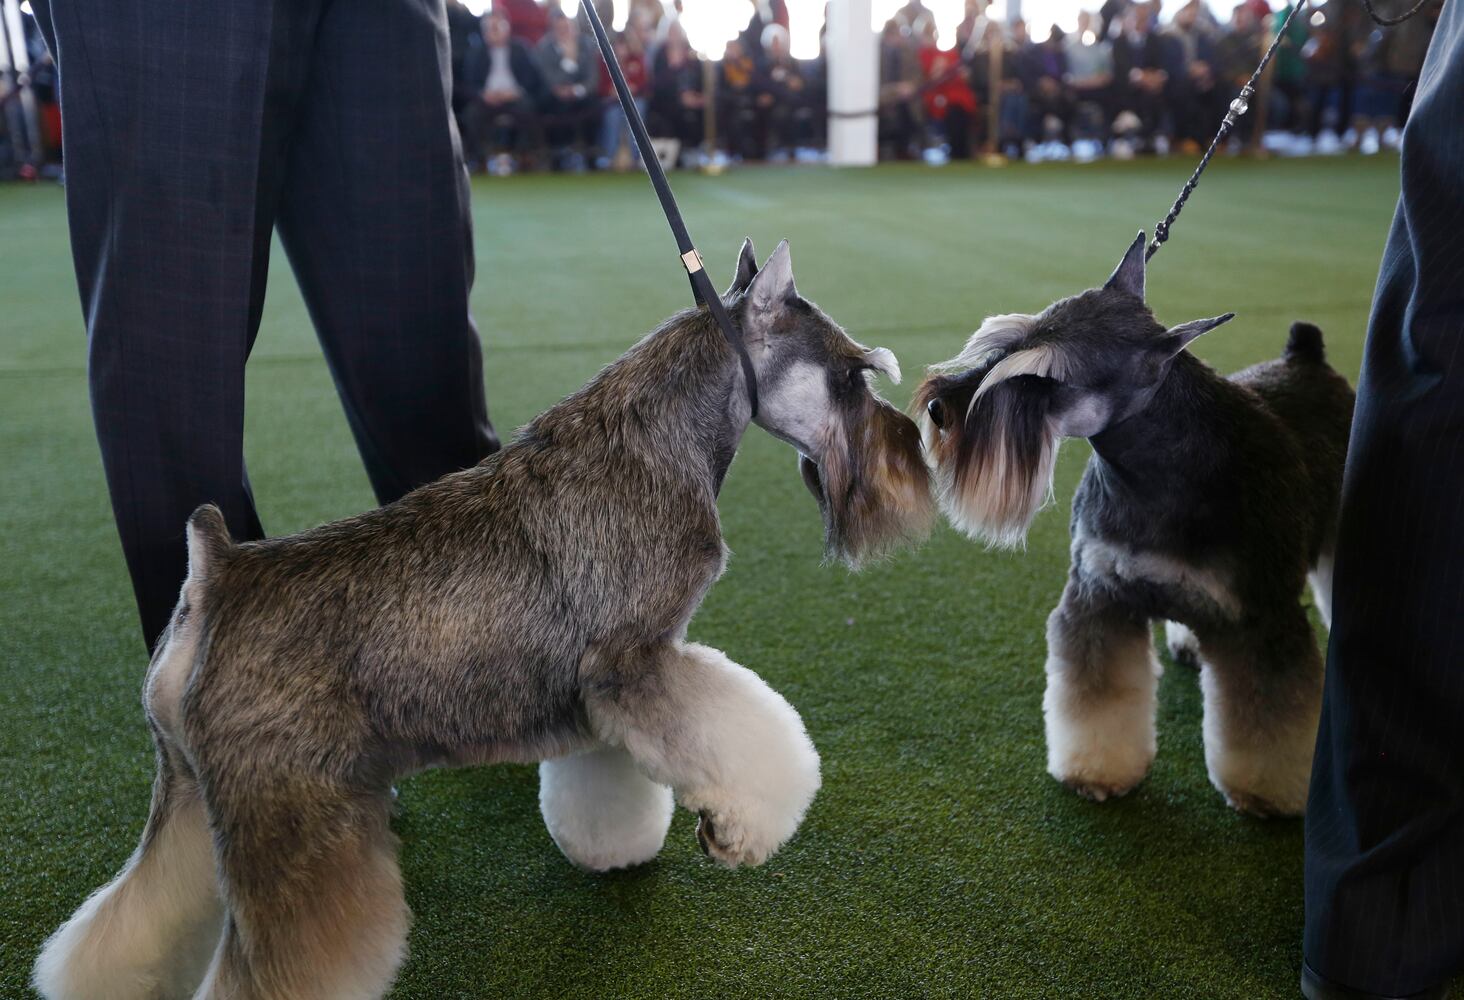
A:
375	218
1385	821
181	122
164	117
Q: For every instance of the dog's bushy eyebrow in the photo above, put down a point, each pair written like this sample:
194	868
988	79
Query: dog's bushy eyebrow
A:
996	333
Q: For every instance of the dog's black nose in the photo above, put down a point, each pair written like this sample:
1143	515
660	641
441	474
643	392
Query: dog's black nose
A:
937	412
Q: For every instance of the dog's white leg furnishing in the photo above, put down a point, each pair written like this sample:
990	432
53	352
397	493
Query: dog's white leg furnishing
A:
150	932
732	748
602	812
1102	684
1263	696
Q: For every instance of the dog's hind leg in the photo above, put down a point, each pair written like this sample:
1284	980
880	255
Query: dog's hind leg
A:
1183	645
732	748
1101	698
314	894
148	934
1262	690
150	931
602	811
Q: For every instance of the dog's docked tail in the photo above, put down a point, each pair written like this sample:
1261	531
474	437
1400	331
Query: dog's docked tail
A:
1305	344
208	541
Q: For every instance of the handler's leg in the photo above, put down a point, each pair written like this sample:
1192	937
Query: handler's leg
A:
375	219
732	749
167	112
1385	821
602	812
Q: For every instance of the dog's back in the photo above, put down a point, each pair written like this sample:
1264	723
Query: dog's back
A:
1315	403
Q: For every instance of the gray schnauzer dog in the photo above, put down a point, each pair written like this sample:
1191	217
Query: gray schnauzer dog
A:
1206	503
533	608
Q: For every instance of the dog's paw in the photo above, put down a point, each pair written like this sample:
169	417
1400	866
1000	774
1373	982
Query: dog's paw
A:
1101	791
1184	647
730	843
1260	808
1263	786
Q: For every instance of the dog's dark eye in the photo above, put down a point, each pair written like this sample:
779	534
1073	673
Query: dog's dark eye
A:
856	375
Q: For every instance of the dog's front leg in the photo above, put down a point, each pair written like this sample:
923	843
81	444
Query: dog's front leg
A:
1102	684
601	810
733	750
1262	685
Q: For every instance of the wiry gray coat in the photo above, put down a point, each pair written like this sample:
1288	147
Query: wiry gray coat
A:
531	607
1207	503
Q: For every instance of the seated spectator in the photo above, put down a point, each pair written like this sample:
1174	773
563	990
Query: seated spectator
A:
744	103
1236	53
1144	65
1050	103
463	27
571	98
790	109
899	91
1090	76
630	49
1011	92
677	101
498	95
949	101
1390	61
1331	66
528	18
1195	95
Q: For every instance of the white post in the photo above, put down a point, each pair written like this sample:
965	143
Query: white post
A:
853	68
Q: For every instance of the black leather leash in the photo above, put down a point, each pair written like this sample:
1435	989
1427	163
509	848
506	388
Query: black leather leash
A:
701	285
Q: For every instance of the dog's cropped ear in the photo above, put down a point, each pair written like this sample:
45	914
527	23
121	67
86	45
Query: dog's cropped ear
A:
746	270
770	290
773	285
1178	338
1129	275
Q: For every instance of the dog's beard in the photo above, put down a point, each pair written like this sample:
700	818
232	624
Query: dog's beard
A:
872	486
992	462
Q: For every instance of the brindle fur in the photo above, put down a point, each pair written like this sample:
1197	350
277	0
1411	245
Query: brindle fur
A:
532	606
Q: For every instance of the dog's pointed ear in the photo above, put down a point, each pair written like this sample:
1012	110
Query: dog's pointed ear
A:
1178	338
1129	275
773	285
746	270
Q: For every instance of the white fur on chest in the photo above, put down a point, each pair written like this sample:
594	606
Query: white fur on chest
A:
1103	557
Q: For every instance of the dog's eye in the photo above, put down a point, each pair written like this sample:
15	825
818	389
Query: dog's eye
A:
856	375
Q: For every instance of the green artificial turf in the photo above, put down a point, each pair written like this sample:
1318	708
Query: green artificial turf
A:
939	859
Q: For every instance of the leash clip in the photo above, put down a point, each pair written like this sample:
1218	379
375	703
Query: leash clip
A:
692	261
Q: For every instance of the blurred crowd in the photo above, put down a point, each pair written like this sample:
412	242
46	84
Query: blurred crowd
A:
1127	82
530	90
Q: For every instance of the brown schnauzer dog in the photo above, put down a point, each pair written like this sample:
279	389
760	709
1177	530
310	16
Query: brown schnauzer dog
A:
533	608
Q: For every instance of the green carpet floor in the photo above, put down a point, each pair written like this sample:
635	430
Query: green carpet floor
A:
939	859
